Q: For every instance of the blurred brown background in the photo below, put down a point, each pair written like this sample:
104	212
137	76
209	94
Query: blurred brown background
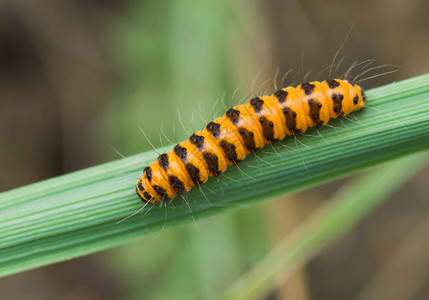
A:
77	77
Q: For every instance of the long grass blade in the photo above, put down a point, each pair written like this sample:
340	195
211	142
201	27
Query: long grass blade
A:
78	213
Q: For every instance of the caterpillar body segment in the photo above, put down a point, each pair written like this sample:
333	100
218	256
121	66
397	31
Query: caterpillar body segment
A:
244	129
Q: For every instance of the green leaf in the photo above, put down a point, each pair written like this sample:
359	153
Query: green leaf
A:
78	213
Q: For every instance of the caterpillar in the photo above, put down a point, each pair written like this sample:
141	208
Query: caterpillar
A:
244	129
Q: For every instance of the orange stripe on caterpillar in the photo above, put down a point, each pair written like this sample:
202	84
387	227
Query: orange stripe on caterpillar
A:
244	129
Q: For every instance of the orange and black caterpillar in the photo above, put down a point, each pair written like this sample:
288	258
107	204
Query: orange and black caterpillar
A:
244	129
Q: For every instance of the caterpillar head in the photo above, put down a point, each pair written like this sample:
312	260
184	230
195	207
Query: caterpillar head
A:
144	190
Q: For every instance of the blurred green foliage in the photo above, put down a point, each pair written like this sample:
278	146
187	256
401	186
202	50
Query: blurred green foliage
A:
165	64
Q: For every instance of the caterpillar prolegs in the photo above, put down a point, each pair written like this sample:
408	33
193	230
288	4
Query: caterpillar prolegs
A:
244	129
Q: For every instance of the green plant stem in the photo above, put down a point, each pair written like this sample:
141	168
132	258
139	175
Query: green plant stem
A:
78	213
347	207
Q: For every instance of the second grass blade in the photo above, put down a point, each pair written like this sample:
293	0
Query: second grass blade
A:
334	219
